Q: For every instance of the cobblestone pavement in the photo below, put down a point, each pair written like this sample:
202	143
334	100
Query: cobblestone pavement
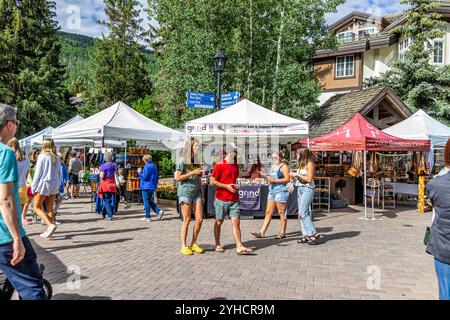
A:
130	259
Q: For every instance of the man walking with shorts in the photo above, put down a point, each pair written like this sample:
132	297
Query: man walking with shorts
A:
226	202
75	165
17	257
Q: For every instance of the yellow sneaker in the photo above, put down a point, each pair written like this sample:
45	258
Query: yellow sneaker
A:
186	251
196	248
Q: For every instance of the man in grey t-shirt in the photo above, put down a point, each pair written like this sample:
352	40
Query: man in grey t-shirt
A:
75	165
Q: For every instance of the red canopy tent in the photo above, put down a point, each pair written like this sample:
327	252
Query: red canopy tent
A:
358	134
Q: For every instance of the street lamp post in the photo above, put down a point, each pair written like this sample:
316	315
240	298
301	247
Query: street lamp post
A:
219	63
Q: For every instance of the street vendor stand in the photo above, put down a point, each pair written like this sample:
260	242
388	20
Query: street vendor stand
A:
119	124
359	135
421	126
255	130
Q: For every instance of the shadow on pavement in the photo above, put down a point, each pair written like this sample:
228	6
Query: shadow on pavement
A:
55	272
338	236
73	296
88	244
64	236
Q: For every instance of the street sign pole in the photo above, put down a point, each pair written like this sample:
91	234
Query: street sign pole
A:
218	92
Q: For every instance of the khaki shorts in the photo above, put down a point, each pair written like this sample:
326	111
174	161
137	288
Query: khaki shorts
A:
23	195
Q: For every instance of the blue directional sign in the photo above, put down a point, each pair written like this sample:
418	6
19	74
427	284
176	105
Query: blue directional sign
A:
229	99
202	100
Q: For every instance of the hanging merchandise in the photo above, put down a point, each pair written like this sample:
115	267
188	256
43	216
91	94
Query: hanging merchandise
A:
373	165
353	169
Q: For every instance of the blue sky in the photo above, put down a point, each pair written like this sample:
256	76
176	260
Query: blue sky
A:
80	16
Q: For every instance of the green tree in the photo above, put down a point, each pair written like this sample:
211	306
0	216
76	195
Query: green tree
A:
415	79
31	75
268	46
119	69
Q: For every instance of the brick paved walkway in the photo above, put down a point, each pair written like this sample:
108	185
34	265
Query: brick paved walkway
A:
130	259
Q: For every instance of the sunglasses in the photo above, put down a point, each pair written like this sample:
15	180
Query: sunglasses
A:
16	122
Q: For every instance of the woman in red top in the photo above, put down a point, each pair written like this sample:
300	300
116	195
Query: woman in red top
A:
108	189
254	171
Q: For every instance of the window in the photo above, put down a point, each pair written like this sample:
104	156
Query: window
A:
345	66
403	48
366	32
438	56
346	36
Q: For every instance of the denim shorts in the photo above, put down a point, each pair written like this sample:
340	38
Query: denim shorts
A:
226	208
188	200
278	196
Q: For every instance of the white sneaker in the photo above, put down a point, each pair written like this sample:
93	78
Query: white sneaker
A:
50	230
160	214
43	235
146	219
57	223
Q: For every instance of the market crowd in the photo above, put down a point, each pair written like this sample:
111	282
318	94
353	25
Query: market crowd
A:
41	178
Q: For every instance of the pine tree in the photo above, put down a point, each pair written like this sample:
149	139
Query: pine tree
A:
415	79
31	74
118	66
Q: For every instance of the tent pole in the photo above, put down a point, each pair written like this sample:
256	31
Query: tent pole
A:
125	161
365	186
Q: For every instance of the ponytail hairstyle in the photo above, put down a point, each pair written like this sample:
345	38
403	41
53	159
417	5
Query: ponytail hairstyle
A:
281	156
305	156
15	146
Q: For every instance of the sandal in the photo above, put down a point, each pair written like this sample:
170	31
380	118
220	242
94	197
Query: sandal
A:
257	234
219	249
186	251
313	239
303	240
245	251
280	236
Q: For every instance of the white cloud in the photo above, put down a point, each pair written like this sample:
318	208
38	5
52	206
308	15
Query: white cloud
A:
92	10
87	13
375	7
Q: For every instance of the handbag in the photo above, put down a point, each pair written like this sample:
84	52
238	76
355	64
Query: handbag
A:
426	238
353	171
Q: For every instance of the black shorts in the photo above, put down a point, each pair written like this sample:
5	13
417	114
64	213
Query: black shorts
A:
73	179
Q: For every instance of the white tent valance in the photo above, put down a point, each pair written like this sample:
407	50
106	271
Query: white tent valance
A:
248	119
119	122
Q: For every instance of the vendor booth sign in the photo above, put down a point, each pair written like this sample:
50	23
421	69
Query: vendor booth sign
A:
246	129
249	198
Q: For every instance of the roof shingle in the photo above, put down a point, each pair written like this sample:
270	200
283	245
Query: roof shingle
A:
341	108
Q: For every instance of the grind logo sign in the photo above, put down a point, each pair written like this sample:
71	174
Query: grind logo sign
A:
249	198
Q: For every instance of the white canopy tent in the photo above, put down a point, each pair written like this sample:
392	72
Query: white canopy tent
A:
248	120
421	126
256	131
122	123
37	138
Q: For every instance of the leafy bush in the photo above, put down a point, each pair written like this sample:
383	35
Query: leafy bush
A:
167	191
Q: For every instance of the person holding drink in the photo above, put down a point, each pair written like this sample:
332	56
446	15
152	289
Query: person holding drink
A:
190	195
226	202
278	195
